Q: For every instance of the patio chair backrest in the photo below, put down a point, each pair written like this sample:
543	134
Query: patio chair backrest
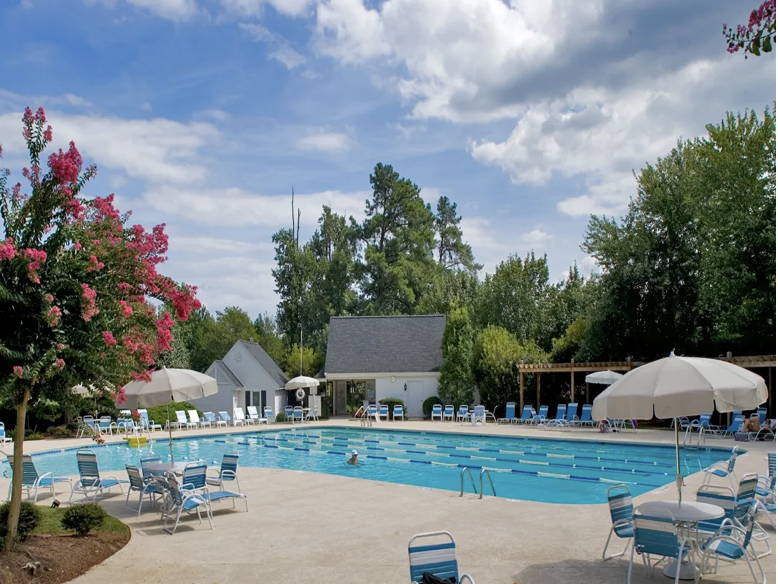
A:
289	411
181	417
2	430
510	410
209	417
105	422
439	559
449	410
144	418
762	413
383	410
572	411
225	417
437	409
146	460
463	410
87	467
371	410
771	464
719	496
732	460
479	412
193	417
656	534
561	411
543	412
586	413
194	475
89	421
136	477
705	420
252	411
238	414
267	412
526	413
398	410
620	503
298	411
229	464
737	420
29	472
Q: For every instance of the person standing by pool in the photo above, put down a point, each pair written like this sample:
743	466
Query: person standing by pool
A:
353	459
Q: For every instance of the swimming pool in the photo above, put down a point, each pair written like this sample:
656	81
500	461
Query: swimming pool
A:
527	468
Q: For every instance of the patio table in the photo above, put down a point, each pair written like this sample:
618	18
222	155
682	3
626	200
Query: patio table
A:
160	467
686	515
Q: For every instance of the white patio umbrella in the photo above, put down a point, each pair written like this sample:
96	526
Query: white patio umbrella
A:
603	377
166	386
302	382
680	386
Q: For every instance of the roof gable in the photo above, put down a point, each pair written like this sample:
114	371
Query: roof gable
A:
265	361
228	374
385	344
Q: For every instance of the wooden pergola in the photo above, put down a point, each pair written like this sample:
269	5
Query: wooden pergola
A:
750	362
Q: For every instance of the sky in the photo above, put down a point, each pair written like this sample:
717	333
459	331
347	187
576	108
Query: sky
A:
205	114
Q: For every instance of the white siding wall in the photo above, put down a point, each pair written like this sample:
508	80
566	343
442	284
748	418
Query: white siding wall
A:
220	401
419	389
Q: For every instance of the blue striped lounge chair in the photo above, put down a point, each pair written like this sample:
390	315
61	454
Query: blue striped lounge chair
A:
140	485
3	438
228	472
106	426
561	412
510	413
289	413
621	507
736	504
179	500
439	559
541	415
195	480
437	412
463	413
737	421
146	423
398	412
267	411
86	426
656	535
211	418
586	416
448	413
479	414
723	469
90	483
383	412
762	413
299	417
147	460
732	543
32	481
526	415
226	418
572	413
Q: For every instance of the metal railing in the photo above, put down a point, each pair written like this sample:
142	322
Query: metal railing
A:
462	481
485	470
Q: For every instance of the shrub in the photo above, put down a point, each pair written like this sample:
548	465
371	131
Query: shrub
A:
29	518
34	436
391	402
428	403
281	417
83	518
159	413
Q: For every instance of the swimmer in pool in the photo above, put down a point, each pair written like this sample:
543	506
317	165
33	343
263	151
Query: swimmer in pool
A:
353	459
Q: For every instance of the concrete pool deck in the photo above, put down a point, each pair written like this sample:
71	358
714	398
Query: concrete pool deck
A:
318	528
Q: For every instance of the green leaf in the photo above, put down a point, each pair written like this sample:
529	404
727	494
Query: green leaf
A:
755	48
767	46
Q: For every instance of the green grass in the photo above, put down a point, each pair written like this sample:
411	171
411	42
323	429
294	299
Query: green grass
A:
51	523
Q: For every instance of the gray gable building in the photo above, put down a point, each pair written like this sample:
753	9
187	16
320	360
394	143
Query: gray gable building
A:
384	356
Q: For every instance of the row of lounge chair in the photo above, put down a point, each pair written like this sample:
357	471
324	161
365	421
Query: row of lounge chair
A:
200	485
463	414
704	428
566	416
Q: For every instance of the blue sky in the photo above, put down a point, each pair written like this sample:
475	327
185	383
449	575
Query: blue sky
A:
203	114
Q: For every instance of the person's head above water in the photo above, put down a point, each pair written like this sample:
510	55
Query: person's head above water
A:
354	453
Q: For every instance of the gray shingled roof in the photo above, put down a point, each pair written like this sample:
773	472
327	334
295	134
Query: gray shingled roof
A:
385	344
256	351
230	375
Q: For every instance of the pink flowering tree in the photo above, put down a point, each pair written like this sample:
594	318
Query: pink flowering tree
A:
758	36
79	288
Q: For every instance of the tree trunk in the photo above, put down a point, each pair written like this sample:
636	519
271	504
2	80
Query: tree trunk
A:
18	469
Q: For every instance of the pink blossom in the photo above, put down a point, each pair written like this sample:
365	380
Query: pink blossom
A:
88	307
77	245
7	250
121	396
143	376
59	364
53	316
66	166
18	371
164	336
95	265
108	338
36	258
125	308
60	347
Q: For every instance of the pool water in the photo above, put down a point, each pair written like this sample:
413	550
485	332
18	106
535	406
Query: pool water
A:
525	468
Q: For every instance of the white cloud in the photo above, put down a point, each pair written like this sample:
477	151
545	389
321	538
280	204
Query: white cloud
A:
280	49
237	207
535	237
255	7
325	142
288	57
212	114
205	244
157	150
170	9
492	244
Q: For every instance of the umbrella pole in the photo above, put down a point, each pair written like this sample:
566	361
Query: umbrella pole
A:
170	433
678	476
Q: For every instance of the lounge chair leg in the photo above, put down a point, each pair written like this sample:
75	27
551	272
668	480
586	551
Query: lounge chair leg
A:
631	561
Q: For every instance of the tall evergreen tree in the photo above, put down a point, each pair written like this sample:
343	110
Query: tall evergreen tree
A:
452	252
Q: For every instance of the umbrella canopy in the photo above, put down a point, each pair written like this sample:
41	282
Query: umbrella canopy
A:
603	377
680	386
301	381
169	385
80	390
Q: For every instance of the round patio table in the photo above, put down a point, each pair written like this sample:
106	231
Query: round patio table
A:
159	467
687	513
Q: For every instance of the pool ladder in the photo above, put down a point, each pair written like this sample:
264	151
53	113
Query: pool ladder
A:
484	471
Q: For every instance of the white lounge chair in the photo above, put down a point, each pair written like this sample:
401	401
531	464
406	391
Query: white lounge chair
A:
146	423
448	413
3	438
398	412
182	422
211	418
437	412
225	417
238	418
383	412
194	418
254	415
268	413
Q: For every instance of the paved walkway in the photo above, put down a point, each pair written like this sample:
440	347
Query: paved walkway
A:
317	528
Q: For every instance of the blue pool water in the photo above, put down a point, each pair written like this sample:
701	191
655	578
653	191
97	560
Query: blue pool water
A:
534	469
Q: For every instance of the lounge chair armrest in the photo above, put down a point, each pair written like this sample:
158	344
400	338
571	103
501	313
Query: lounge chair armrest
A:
229	473
114	477
469	579
216	471
621	522
46	475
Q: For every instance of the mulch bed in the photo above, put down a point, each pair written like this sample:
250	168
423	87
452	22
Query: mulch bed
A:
62	557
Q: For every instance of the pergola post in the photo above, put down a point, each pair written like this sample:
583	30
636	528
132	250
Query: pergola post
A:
521	390
770	388
537	384
572	381
587	393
